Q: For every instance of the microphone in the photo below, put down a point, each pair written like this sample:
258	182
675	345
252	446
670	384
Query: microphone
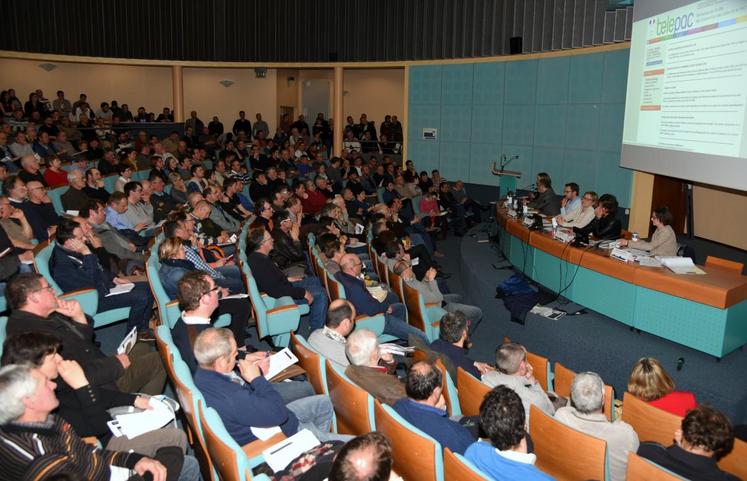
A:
506	162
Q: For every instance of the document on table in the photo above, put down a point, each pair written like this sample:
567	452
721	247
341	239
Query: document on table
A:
279	455
680	265
280	361
121	289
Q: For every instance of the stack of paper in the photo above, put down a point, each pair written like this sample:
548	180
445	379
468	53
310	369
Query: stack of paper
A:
280	361
121	289
136	423
278	456
680	265
389	348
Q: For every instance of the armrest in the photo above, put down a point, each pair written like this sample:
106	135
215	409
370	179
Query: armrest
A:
255	448
173	303
373	323
88	299
279	309
429	305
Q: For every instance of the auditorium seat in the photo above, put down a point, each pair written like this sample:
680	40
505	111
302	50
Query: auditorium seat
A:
425	317
456	467
353	406
564	453
736	461
641	469
471	392
311	362
447	385
395	282
417	456
650	422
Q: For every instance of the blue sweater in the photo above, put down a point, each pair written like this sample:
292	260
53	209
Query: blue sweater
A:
356	292
435	423
240	407
485	458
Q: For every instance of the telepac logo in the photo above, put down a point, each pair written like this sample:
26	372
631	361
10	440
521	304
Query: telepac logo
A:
669	25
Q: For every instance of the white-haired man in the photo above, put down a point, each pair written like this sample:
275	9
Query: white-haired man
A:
362	349
587	396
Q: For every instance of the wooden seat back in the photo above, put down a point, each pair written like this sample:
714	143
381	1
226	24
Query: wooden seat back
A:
713	261
471	392
187	403
564	453
415	315
350	403
395	282
736	461
650	422
455	469
334	288
222	455
414	455
310	361
382	270
165	352
562	387
640	469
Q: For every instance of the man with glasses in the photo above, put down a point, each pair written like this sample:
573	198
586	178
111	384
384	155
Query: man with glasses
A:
36	308
570	204
273	281
161	201
75	198
138	212
583	216
40	211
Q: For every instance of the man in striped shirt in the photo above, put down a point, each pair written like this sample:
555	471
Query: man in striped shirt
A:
35	444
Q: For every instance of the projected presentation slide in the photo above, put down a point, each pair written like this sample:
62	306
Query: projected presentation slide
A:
688	80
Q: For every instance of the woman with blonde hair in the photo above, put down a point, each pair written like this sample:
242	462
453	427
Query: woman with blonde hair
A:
651	383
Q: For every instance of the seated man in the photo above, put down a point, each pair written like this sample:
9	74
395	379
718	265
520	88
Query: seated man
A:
36	308
82	404
362	349
570	204
40	211
425	408
582	215
357	293
223	219
115	217
95	186
247	399
94	212
161	201
138	212
37	444
30	170
604	225
75	198
365	458
504	456
330	340
545	202
452	342
516	373
273	281
208	232
587	396
73	266
288	252
705	437
428	287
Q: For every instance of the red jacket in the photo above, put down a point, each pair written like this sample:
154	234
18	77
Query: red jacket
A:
677	402
314	202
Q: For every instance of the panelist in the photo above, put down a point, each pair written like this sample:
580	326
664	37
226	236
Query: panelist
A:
664	240
545	201
581	217
570	204
604	225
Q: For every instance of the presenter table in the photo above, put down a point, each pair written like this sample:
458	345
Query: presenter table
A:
705	312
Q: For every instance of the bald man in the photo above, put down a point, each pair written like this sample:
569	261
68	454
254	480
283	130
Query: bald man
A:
329	341
357	293
365	458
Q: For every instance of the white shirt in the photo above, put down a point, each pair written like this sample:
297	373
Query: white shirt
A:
194	320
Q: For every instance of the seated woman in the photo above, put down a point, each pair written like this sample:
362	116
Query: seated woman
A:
125	176
178	188
429	207
650	382
664	240
604	225
174	264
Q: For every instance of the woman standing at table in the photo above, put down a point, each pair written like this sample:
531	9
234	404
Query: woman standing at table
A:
664	240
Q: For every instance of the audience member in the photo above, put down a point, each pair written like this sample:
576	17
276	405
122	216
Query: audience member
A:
230	394
515	372
503	455
288	253
95	186
330	340
425	408
30	170
651	383
273	281
585	415
55	175
453	341
94	213
705	437
366	458
363	352
138	212
75	198
40	211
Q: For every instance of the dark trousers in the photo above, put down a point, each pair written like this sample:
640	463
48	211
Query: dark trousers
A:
140	302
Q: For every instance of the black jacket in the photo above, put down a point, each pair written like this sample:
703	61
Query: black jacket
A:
162	204
606	227
270	279
683	463
547	203
286	252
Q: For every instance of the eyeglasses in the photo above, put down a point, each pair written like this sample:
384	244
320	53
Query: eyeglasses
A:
586	197
45	288
214	289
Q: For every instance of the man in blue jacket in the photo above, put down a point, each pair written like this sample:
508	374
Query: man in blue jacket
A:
357	293
73	266
425	408
247	399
